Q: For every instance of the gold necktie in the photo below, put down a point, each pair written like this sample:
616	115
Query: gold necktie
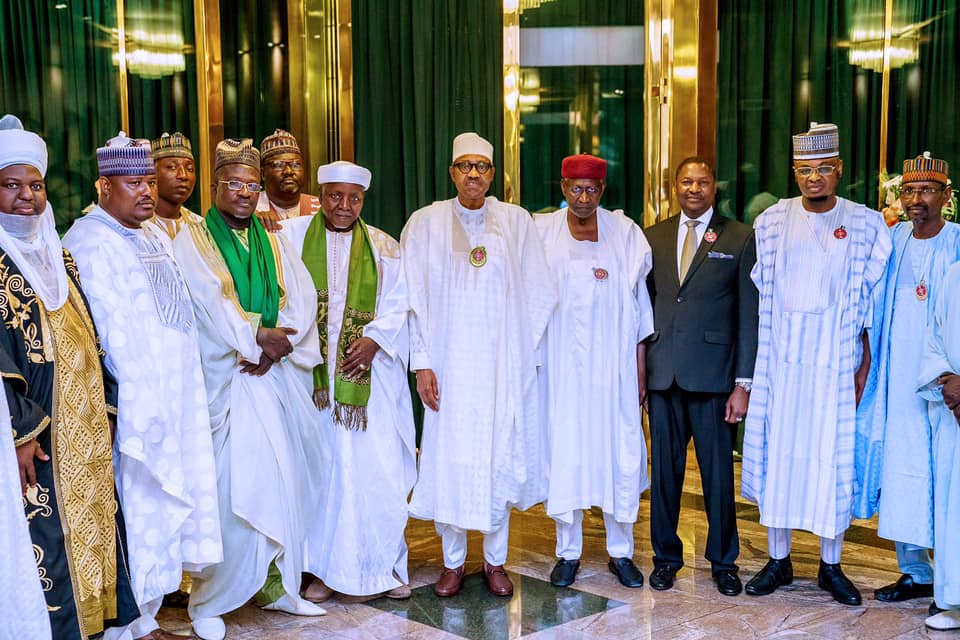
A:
689	248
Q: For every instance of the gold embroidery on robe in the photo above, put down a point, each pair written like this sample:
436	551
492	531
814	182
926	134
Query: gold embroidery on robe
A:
82	458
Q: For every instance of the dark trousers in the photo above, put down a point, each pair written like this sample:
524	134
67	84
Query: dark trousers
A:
676	416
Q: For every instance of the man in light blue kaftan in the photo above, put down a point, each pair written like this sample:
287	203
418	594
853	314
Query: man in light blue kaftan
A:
894	441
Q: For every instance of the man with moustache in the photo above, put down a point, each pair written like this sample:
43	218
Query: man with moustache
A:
699	368
593	377
895	459
480	297
819	257
284	178
60	401
355	544
256	309
163	458
176	178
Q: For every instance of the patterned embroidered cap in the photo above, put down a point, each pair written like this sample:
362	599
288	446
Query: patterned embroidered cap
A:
123	156
172	146
279	142
924	168
821	141
18	146
237	151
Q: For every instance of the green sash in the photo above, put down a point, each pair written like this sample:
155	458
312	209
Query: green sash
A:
254	271
350	394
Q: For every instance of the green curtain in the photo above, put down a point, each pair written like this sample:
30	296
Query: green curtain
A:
59	78
423	72
253	37
167	103
613	96
781	66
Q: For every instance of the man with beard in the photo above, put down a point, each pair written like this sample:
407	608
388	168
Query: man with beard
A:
819	257
256	310
480	297
593	375
895	460
699	368
60	398
163	451
284	178
176	178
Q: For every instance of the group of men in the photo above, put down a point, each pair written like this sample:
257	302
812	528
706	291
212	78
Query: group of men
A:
163	369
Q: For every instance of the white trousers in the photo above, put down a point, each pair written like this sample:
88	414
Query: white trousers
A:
454	541
779	542
916	562
140	627
570	537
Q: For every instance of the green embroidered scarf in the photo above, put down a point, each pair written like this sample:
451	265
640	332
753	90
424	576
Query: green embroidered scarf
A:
350	394
254	271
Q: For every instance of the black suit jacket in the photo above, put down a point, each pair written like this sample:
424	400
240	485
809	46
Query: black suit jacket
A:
705	329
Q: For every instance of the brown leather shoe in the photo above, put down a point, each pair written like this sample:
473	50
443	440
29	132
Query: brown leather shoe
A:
450	582
497	580
160	634
317	592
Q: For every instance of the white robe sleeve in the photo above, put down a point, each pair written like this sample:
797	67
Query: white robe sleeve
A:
538	284
389	327
300	311
638	250
934	360
414	256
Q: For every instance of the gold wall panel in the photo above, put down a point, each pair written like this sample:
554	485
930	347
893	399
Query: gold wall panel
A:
206	24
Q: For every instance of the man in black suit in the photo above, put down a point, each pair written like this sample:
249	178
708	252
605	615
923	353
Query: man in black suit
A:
699	368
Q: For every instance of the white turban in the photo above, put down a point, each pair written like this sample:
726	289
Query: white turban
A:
343	171
21	147
471	144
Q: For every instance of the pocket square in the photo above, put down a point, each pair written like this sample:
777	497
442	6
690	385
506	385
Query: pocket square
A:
719	255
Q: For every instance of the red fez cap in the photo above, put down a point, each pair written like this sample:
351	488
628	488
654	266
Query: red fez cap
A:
583	166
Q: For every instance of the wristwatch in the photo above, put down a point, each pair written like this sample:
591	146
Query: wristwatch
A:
745	385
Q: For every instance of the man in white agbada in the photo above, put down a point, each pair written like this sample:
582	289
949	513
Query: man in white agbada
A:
256	311
819	257
894	444
593	377
355	544
480	296
163	452
176	179
939	384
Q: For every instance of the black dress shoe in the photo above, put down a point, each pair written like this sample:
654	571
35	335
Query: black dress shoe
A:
662	577
728	582
775	574
903	589
564	572
626	572
830	578
934	609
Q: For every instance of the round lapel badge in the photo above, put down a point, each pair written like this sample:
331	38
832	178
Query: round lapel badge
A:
710	236
840	232
922	290
478	256
600	273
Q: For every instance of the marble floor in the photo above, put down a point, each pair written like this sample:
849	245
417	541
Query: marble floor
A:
597	606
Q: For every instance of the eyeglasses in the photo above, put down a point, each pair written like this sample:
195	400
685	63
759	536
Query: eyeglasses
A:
237	185
280	165
578	191
823	170
481	167
338	197
916	191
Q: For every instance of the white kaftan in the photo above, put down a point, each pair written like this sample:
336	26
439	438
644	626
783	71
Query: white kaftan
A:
478	328
597	452
356	542
815	274
163	450
269	441
167	229
941	354
894	443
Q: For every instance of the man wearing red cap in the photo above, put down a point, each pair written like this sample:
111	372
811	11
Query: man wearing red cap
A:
598	456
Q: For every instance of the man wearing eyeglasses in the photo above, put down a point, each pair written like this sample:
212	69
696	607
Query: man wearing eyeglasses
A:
480	296
284	177
699	369
256	309
896	465
593	379
819	258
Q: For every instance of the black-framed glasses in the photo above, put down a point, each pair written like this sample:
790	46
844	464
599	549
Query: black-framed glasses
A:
823	170
280	165
238	185
465	167
918	191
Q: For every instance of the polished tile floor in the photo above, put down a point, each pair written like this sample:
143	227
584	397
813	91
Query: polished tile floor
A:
596	606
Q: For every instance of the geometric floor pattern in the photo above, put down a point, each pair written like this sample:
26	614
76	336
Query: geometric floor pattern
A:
597	606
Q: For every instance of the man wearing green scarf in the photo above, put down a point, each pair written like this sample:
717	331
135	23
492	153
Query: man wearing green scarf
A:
256	313
355	544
